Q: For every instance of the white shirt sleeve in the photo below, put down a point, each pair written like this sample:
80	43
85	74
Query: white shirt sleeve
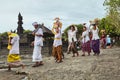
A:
83	34
13	40
76	29
39	32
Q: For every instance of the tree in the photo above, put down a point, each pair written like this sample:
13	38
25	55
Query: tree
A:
4	34
104	24
113	9
27	31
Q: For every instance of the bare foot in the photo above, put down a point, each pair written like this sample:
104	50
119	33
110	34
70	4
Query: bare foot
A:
73	56
9	68
41	63
88	54
77	54
59	61
23	66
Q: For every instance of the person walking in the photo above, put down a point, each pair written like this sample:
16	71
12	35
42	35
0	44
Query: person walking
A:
108	41
85	41
13	57
72	40
38	43
103	40
95	40
57	44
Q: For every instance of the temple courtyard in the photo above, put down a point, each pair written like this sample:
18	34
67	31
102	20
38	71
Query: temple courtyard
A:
103	67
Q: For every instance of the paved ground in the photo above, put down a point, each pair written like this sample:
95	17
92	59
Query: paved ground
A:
103	67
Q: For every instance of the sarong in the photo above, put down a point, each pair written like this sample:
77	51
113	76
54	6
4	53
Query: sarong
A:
37	57
86	47
57	52
96	46
14	60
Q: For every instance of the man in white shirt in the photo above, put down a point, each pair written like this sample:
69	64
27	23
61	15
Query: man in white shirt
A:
38	43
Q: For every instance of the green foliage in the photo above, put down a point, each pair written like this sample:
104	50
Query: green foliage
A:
80	30
27	31
112	4
113	17
4	34
104	24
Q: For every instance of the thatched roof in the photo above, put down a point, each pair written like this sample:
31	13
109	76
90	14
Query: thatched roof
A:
46	31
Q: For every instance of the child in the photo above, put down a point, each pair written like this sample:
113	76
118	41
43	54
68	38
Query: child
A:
108	39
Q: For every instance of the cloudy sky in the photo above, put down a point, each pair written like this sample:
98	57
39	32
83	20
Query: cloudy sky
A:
44	11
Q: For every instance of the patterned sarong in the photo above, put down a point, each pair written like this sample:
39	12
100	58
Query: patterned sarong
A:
57	52
86	47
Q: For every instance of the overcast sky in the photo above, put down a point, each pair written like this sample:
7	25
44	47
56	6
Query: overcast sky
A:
44	11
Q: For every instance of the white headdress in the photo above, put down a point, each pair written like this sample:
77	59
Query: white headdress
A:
35	23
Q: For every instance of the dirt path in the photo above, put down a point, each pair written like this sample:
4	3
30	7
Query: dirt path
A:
104	67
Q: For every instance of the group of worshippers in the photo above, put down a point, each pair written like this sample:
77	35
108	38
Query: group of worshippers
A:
14	59
90	40
87	41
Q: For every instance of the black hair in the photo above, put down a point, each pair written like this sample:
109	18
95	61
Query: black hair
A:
72	26
93	24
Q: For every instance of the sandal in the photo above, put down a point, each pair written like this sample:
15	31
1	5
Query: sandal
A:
35	65
59	61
